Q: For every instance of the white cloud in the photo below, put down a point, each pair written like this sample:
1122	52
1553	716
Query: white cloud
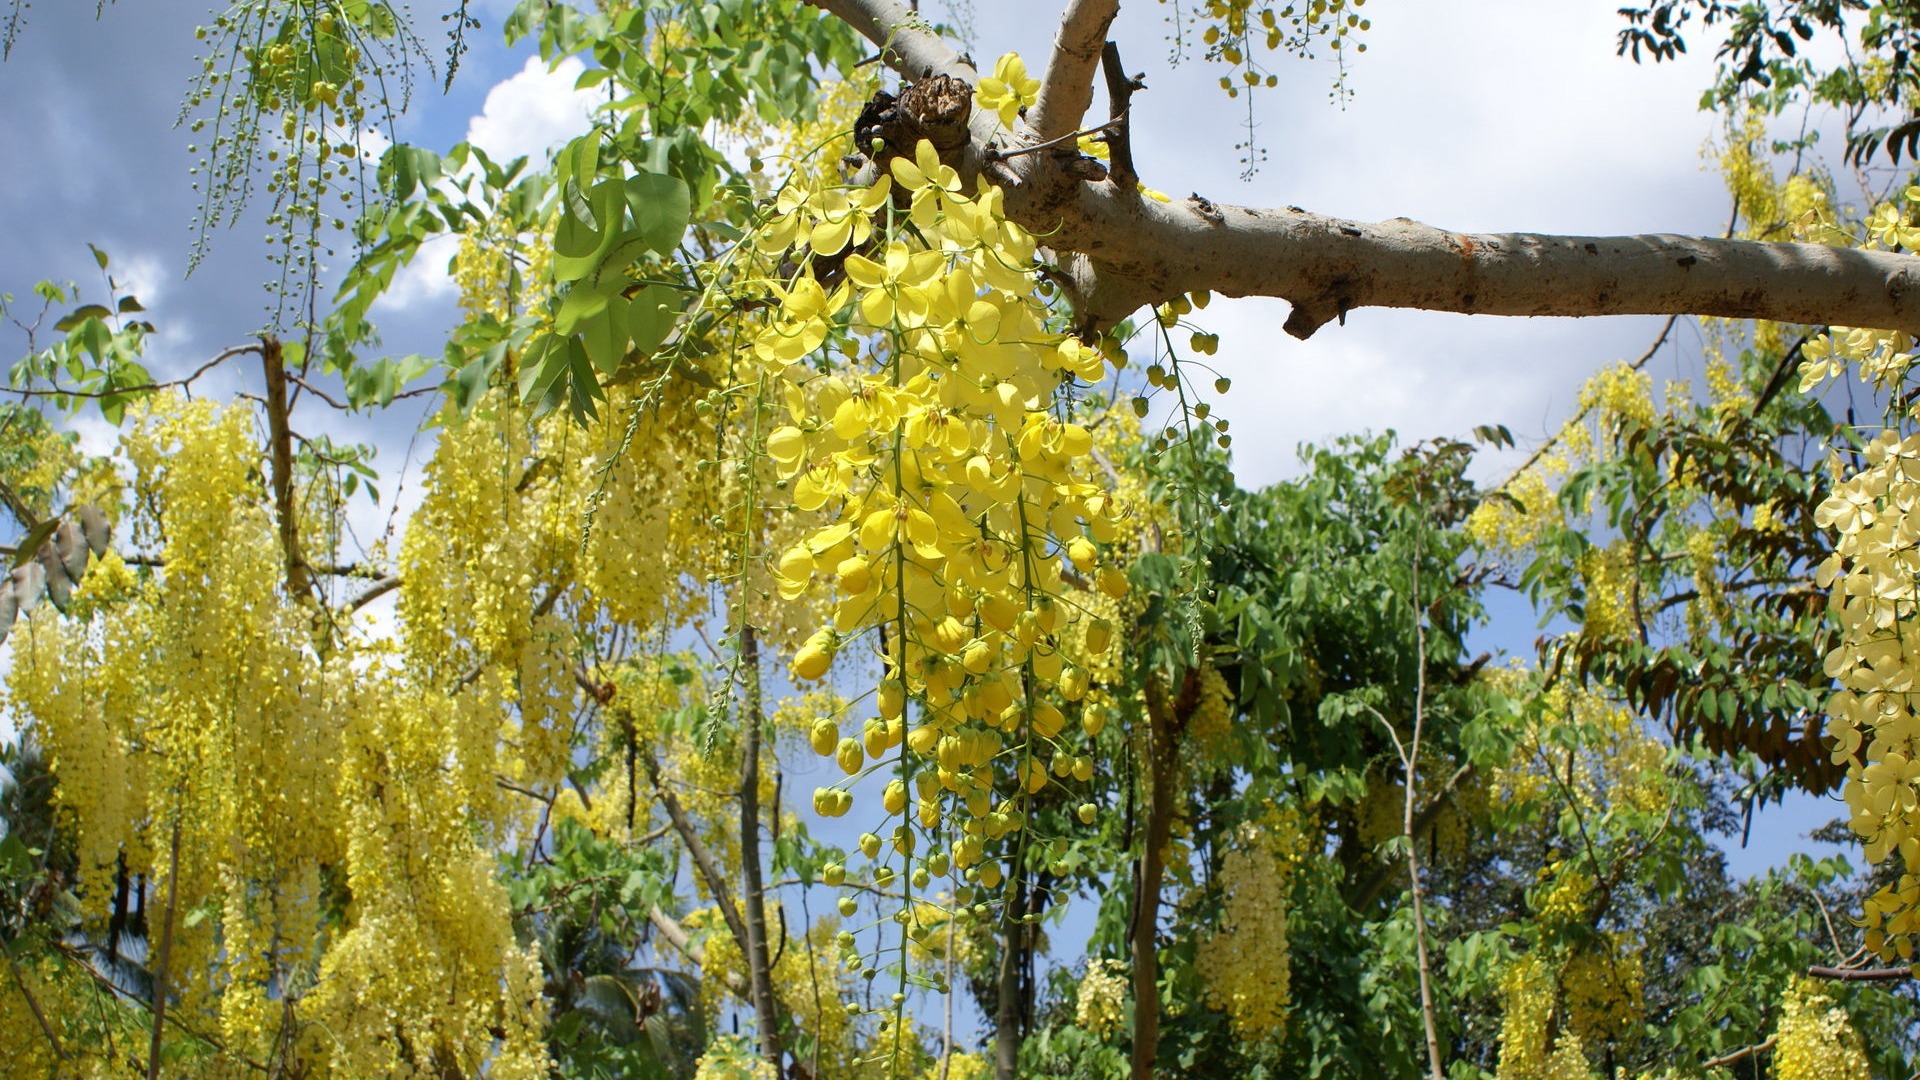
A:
532	112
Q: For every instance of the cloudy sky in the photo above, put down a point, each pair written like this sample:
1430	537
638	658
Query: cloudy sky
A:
1519	117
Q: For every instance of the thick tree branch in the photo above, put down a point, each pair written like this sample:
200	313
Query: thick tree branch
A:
1131	251
280	439
907	43
1119	251
1066	90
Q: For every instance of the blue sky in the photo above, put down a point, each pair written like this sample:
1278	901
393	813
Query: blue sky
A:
1519	117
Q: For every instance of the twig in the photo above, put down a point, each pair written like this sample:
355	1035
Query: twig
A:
996	154
1412	763
56	390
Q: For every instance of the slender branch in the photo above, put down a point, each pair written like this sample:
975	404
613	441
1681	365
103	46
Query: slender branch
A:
678	937
105	982
702	857
1660	339
380	588
18	507
1370	890
1066	89
1741	1054
1413	764
56	390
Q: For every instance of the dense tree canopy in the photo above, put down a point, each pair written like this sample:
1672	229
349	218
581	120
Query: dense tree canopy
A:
831	598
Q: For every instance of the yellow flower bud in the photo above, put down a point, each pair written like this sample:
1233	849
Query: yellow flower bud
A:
834	874
824	736
855	576
869	845
895	798
812	661
1082	553
848	905
850	756
1099	636
891	699
977	658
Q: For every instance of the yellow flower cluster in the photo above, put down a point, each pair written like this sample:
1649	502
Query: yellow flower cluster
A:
1101	1004
1508	526
1872	720
1604	984
197	710
732	1057
1608	575
1244	962
1528	1048
1816	1040
953	526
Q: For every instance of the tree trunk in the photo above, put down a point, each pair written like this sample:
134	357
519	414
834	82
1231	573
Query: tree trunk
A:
1006	1016
753	888
1163	743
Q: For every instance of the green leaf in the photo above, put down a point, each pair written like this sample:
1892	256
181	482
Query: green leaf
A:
542	366
662	207
605	335
99	257
579	245
581	304
80	315
651	316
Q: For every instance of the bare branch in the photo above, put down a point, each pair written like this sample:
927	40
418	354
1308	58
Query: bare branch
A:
1066	90
56	390
380	587
1841	974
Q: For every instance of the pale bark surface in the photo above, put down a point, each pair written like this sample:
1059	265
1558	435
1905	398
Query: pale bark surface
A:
1117	250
